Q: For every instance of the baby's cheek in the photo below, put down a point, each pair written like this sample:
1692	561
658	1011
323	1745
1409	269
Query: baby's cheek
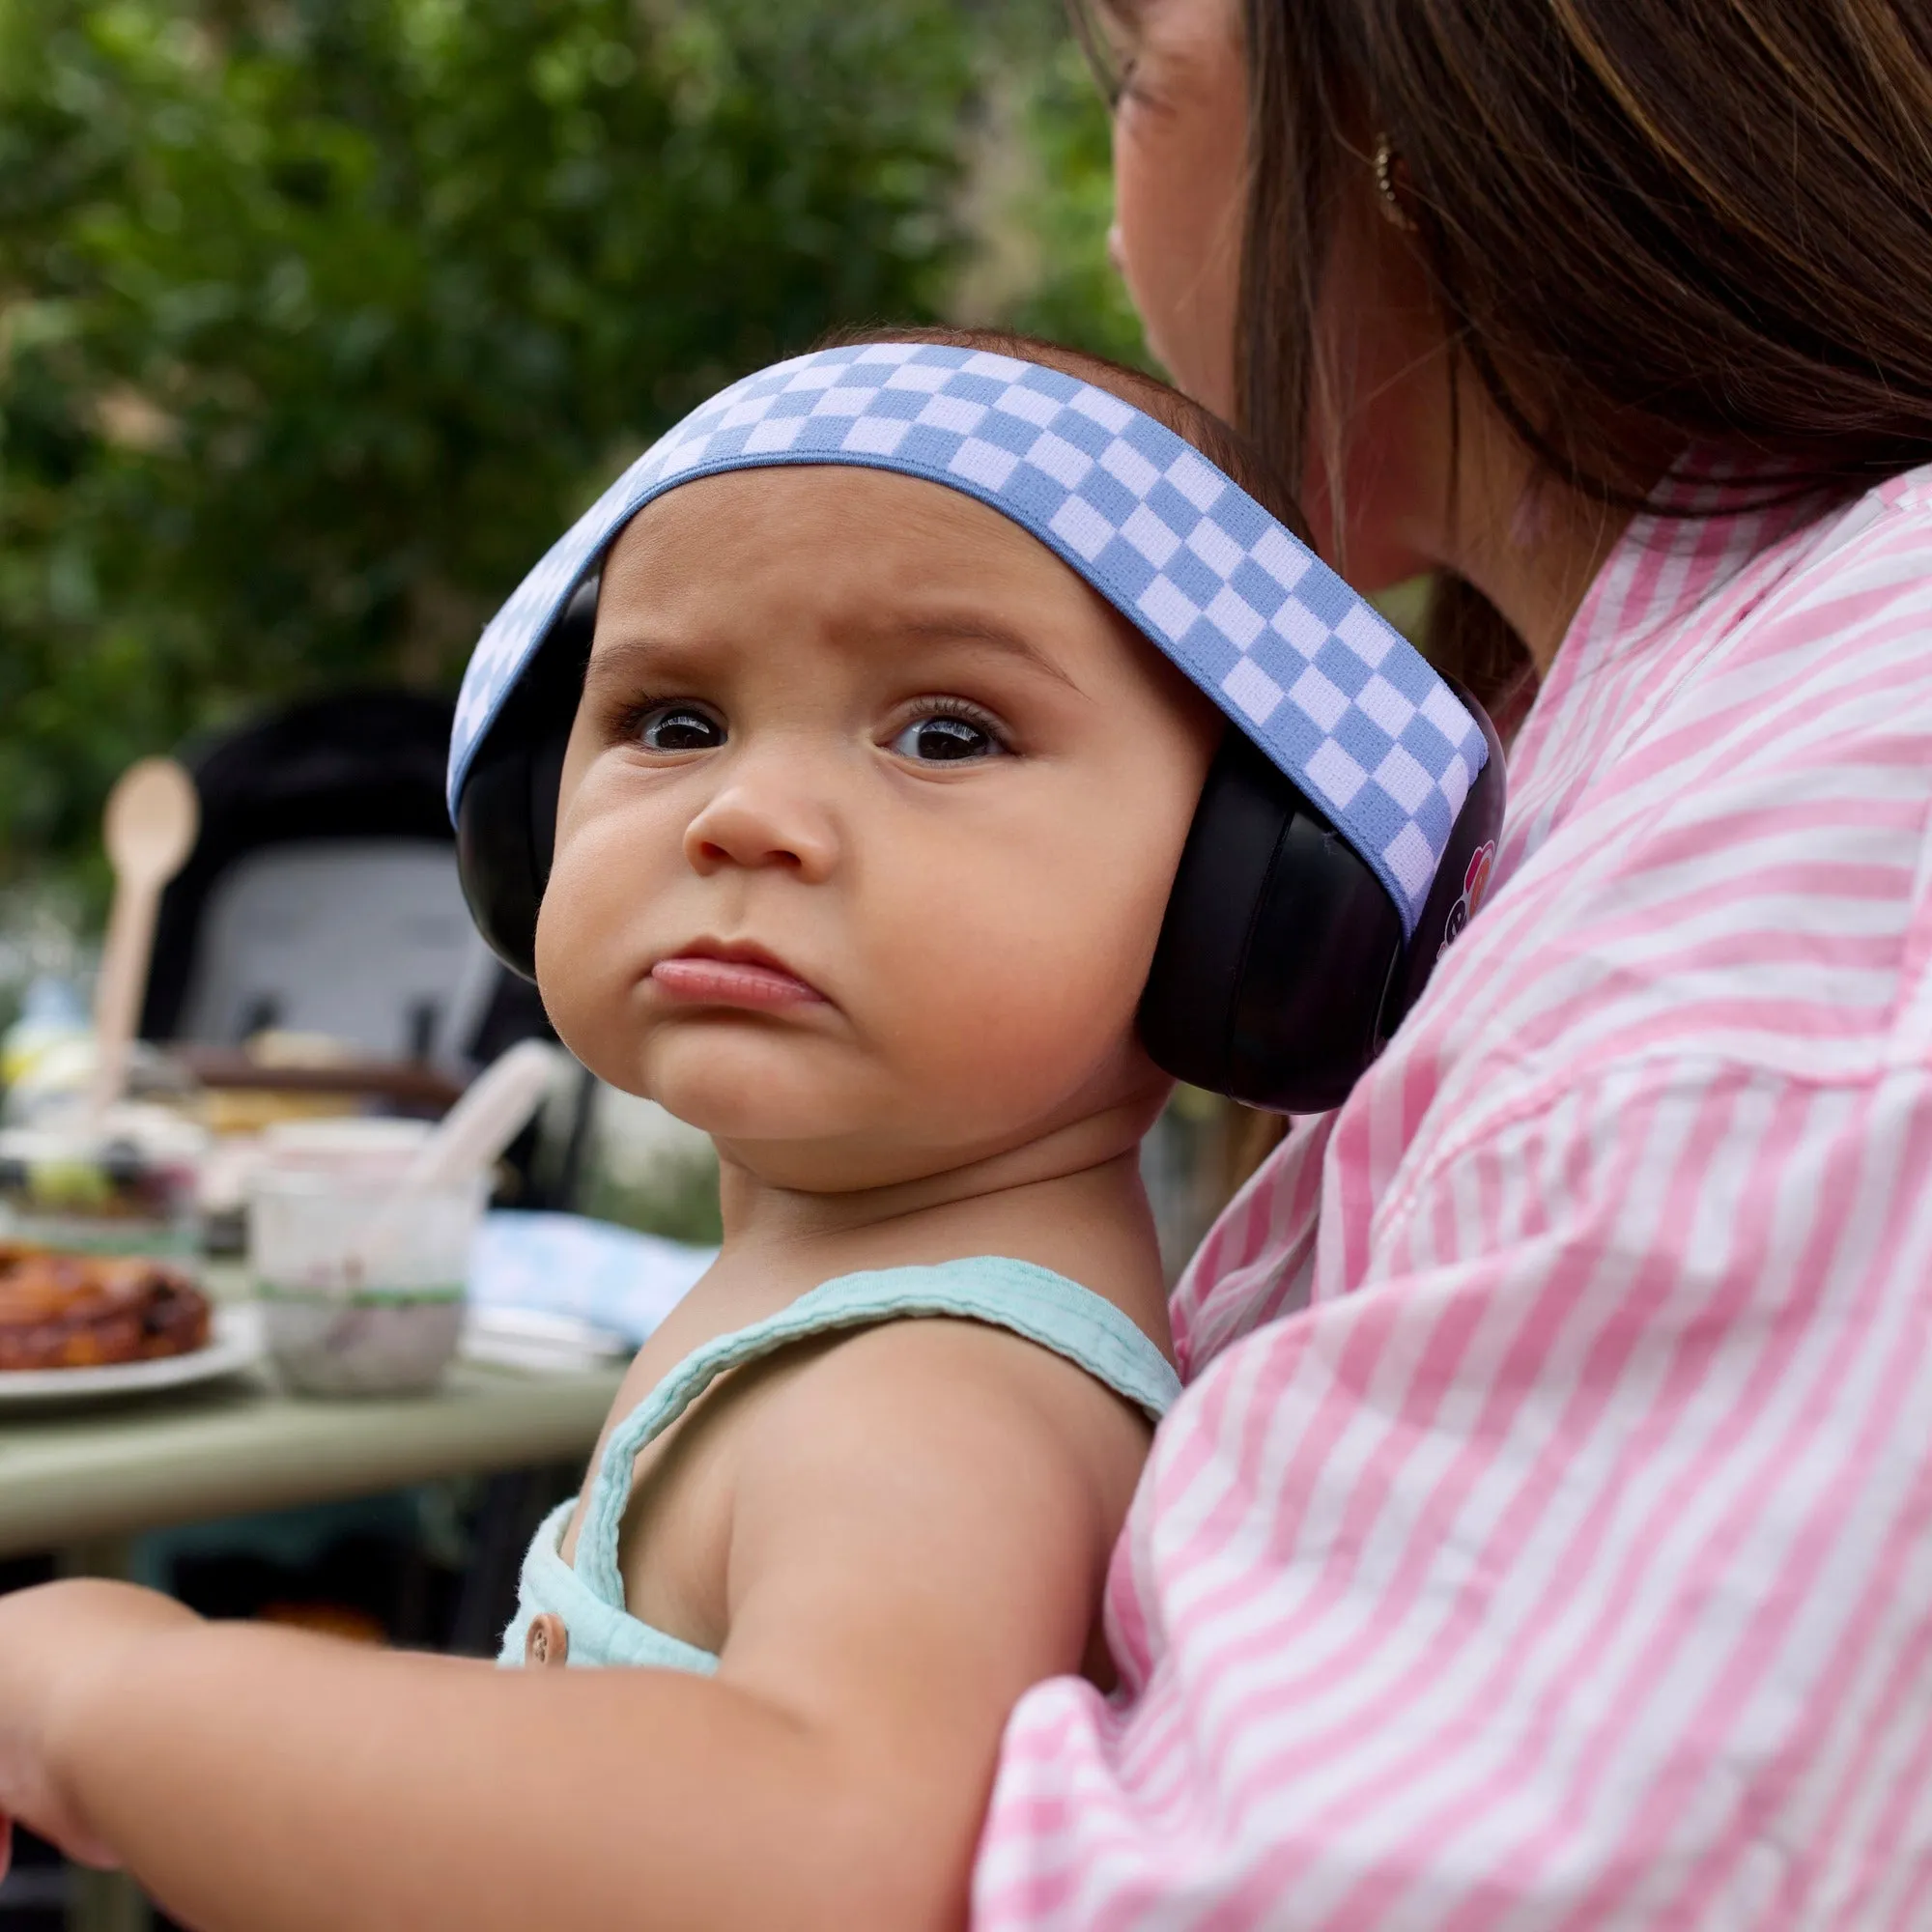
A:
579	969
1017	1019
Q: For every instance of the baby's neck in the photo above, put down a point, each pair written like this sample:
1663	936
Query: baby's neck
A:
1073	1202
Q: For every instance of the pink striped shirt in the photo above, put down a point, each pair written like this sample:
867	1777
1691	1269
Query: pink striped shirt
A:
1545	1538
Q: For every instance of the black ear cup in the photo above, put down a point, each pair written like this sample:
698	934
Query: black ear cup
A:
1277	949
507	820
1281	967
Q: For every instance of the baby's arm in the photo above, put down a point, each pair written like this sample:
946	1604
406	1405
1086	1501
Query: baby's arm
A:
920	1532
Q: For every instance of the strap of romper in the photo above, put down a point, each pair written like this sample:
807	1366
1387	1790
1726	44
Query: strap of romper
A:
1031	1301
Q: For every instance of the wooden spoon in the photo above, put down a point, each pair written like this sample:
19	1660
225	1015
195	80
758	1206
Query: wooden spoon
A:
148	828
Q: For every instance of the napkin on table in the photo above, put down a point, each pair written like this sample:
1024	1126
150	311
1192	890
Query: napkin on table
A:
559	1291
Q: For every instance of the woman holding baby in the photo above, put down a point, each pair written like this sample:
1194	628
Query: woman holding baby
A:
1539	1536
1542	1538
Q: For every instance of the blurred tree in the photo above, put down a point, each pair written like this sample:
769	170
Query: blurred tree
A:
319	318
1043	241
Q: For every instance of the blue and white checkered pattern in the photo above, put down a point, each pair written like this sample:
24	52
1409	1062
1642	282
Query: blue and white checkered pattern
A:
1294	658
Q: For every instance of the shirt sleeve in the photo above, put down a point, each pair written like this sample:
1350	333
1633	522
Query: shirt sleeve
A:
1574	1569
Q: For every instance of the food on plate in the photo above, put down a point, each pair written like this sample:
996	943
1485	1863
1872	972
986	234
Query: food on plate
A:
61	1311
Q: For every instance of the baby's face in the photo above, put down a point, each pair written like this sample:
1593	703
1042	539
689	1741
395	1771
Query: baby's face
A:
867	827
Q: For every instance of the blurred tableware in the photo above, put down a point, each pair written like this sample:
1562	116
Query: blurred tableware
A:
56	1086
236	1345
350	1144
246	1092
356	1299
149	829
607	1279
374	1148
471	1137
52	1014
526	1338
127	1186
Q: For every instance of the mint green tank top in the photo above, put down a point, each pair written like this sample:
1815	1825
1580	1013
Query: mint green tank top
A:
580	1608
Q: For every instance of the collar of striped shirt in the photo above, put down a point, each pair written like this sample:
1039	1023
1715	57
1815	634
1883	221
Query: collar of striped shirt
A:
1708	518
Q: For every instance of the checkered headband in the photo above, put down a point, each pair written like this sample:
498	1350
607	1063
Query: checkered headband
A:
1338	699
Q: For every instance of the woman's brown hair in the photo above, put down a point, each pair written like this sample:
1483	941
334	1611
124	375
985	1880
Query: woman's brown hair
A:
1649	223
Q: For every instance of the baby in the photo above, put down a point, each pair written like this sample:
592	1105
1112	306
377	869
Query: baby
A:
871	806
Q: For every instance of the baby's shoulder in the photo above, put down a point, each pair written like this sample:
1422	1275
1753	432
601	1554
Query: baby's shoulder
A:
1023	1313
943	1409
909	1361
896	1361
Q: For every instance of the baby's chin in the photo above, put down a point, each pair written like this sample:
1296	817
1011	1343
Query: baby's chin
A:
815	1116
750	1082
810	1137
738	1120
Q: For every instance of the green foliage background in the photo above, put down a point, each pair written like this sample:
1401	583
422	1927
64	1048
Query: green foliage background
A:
319	318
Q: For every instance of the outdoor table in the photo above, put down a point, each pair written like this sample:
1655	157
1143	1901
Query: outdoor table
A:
80	1481
73	1478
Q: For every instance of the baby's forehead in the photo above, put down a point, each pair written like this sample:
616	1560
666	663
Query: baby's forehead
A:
826	528
769	505
765	564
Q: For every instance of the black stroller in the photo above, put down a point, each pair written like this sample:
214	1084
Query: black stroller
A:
322	896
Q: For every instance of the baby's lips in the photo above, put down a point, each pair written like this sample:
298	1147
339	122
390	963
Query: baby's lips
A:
704	981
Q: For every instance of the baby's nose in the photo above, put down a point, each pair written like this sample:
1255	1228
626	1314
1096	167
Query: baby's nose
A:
761	825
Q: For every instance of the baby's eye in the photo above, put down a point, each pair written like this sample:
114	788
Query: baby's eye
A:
943	738
679	727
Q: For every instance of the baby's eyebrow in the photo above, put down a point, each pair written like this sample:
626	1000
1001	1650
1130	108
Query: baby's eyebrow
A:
628	659
987	634
623	659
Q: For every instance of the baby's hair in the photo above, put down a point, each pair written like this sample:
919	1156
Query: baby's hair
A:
1225	447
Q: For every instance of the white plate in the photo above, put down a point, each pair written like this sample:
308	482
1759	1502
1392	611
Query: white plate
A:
236	1345
530	1338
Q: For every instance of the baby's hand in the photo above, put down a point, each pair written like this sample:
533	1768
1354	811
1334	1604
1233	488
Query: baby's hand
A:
53	1640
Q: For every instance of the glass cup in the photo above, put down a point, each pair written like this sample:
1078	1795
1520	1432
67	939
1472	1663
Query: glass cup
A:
360	1289
127	1188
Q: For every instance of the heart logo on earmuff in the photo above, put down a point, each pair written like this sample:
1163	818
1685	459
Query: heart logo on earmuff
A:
1475	882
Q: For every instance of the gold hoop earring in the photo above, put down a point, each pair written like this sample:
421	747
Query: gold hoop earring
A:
1393	212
